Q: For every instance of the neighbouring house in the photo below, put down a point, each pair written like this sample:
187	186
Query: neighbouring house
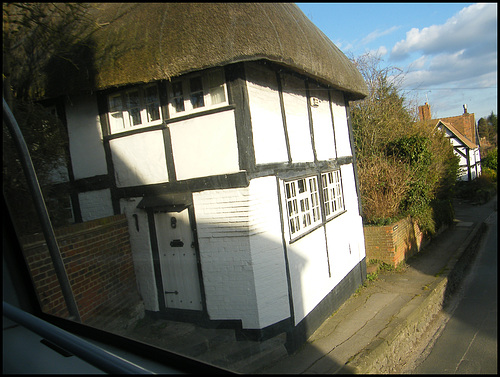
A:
222	132
462	132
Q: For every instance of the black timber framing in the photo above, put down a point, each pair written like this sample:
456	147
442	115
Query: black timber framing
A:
239	102
190	185
60	106
353	151
102	108
283	116
310	117
238	96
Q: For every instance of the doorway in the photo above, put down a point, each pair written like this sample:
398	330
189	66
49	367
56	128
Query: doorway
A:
180	275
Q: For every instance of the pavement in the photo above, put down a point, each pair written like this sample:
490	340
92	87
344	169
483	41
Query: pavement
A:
382	328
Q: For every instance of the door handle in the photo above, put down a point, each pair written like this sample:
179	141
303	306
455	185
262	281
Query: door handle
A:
176	243
171	292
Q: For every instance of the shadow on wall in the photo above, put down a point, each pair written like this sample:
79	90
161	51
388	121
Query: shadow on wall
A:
98	261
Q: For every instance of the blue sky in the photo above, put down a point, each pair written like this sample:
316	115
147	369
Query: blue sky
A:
447	51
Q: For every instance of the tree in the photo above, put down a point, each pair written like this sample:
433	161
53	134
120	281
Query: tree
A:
487	128
405	167
492	120
490	161
379	117
34	36
33	33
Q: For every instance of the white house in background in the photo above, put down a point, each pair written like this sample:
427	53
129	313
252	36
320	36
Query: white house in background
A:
223	134
462	132
466	150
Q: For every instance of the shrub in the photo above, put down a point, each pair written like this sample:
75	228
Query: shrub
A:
443	212
404	167
490	161
383	184
412	150
480	190
489	174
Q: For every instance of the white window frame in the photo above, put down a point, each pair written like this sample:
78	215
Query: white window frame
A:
210	92
122	107
302	205
333	195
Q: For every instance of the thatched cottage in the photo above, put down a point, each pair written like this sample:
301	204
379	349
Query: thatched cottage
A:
222	132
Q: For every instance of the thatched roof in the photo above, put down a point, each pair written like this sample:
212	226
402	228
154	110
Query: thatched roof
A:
151	41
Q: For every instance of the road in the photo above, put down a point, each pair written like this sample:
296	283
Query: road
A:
468	341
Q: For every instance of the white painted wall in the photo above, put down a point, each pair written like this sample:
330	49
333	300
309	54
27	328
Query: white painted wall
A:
346	246
473	154
141	252
349	188
226	263
345	233
242	254
95	204
265	112
266	246
139	159
324	139
340	124
297	118
477	159
85	137
308	272
307	256
205	146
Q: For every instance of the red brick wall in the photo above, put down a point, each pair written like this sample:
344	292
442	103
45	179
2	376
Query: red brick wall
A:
98	261
393	243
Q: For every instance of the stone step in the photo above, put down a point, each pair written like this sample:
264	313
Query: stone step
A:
266	354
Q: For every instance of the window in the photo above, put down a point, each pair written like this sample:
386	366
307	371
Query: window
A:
302	201
303	204
333	200
197	92
134	108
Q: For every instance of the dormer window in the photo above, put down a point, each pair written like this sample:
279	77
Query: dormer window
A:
133	108
195	93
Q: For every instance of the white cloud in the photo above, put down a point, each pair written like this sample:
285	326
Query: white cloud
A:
452	69
381	51
460	53
419	63
343	47
473	25
377	34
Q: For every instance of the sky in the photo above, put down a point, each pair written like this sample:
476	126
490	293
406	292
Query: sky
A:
446	51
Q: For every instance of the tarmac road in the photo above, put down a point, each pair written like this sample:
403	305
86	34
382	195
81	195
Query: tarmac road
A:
468	342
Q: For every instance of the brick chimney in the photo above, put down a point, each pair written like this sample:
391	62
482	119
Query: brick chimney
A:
424	112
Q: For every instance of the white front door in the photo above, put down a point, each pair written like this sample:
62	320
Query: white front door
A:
178	262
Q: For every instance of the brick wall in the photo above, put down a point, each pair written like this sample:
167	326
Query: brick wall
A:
393	243
98	261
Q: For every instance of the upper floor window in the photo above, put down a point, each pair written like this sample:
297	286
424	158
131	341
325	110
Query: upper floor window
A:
136	107
198	92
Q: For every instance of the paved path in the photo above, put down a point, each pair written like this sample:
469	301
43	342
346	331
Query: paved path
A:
468	343
378	329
